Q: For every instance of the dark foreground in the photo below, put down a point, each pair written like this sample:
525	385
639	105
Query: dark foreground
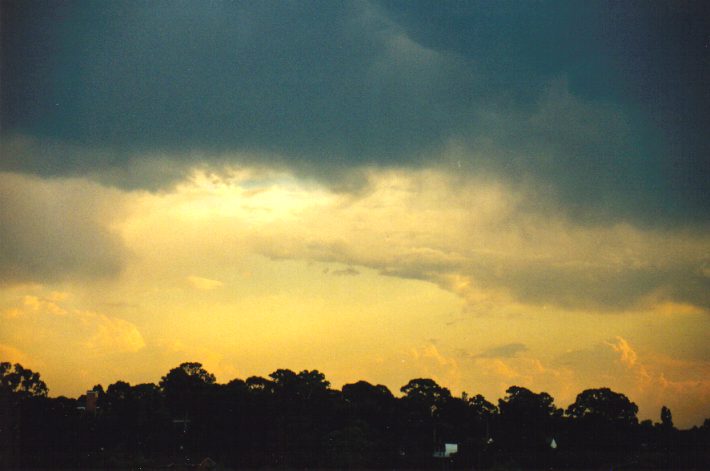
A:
296	421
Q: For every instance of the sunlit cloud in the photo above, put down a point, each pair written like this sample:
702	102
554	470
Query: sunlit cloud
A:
644	378
53	321
627	355
111	334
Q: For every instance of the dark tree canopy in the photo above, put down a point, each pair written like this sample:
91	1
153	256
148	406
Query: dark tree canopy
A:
527	420
191	373
296	421
425	391
120	390
183	384
481	406
284	378
522	404
260	385
305	384
363	392
604	404
666	417
23	381
313	380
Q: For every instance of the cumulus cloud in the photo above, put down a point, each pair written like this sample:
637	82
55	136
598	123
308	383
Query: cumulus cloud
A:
651	380
627	355
51	320
612	363
428	361
57	229
111	334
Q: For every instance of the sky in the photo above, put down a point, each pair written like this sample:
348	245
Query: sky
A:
483	193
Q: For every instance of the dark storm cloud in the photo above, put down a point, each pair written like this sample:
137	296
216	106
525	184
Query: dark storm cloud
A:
650	60
311	80
605	104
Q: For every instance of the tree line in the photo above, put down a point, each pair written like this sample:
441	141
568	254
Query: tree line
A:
296	420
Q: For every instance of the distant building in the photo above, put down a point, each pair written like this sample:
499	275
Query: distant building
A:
449	450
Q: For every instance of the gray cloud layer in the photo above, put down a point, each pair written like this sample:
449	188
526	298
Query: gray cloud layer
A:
51	231
486	242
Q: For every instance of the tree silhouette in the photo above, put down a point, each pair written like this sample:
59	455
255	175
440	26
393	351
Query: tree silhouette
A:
186	390
304	384
22	381
527	419
118	392
191	373
603	419
296	420
526	407
666	418
425	391
481	406
370	413
312	383
259	385
367	397
604	404
419	414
